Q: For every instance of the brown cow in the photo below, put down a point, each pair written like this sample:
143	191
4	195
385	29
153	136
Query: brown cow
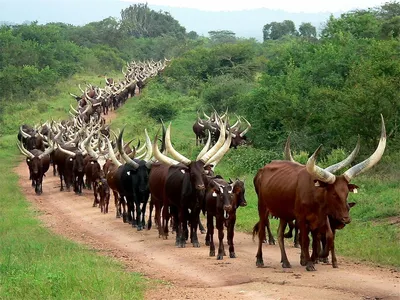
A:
310	195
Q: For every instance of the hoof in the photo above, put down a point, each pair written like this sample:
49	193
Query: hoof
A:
220	257
286	265
203	232
260	264
196	245
271	242
310	267
212	253
297	245
335	265
139	228
232	255
207	243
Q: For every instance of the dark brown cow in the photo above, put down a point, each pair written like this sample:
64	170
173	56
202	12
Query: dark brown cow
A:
310	195
179	185
218	206
104	192
38	163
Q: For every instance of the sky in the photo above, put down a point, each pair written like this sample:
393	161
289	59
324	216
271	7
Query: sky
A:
309	6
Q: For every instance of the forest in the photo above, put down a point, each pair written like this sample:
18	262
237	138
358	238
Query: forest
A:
327	88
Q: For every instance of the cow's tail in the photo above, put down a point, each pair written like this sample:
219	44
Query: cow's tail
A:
256	229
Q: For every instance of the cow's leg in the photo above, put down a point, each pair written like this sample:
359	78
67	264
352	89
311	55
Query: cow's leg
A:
96	200
296	237
281	242
149	221
316	246
201	227
230	234
107	202
165	220
334	259
61	181
143	209
182	222
193	227
220	227
122	203
305	259
261	233
210	233
271	239
138	214
116	202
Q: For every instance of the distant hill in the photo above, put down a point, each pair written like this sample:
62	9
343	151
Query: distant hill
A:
246	23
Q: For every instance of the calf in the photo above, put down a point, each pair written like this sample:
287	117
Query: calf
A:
103	190
218	205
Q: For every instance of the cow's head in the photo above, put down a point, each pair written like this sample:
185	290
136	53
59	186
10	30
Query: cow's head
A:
219	189
334	190
237	193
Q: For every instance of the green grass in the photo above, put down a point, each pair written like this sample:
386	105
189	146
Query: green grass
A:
36	264
368	238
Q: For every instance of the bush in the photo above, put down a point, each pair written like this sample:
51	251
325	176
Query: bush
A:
162	110
225	91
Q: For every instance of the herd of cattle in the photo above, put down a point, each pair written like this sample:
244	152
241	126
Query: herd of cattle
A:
86	153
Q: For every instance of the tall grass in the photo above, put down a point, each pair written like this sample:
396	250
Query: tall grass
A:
34	263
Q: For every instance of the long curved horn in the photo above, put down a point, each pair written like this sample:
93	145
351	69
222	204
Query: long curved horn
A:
73	95
88	147
47	151
370	161
79	86
288	154
73	154
23	133
221	151
347	161
210	153
206	147
247	129
317	172
148	146
175	154
24	151
161	157
111	152
121	150
73	109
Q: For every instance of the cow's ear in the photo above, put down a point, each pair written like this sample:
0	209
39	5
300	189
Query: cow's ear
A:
351	204
319	183
353	188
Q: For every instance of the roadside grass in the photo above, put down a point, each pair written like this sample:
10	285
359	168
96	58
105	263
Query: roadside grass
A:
35	263
369	237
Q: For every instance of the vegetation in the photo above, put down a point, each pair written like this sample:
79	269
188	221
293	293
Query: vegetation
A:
326	89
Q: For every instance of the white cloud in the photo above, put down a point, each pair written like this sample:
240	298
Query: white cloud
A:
311	6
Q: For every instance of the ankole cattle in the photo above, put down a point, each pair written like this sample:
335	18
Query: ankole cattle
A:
309	195
178	185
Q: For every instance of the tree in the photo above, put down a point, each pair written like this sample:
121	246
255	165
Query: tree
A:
307	30
139	20
222	36
276	30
